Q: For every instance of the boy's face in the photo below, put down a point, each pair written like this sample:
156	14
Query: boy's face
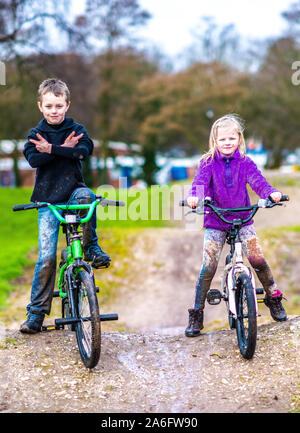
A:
54	108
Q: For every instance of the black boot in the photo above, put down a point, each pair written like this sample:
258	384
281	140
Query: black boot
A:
276	308
98	257
33	323
195	322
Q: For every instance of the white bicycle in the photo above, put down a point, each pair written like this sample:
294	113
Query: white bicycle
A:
238	283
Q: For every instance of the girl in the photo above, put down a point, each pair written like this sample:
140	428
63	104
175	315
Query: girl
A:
223	174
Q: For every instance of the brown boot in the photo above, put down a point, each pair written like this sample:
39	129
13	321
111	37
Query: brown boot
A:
195	322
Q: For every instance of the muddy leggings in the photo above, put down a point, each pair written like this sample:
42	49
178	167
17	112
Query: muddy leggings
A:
213	244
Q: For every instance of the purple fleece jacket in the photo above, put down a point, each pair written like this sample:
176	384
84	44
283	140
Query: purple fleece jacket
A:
225	180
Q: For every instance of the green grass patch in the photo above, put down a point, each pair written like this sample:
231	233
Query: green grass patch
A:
282	249
119	244
295	229
279	231
281	181
19	233
151	207
20	229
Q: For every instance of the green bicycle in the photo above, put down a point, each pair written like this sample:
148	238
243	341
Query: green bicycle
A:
76	282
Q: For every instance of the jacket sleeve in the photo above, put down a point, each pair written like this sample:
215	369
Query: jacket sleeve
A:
82	150
34	157
257	181
201	180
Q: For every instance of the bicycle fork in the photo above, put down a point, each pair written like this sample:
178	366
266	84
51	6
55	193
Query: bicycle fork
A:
232	277
233	269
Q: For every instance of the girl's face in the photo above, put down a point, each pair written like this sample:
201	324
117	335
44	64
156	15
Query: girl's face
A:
54	108
227	140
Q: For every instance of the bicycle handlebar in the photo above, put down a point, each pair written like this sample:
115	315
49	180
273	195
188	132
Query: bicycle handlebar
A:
28	206
284	197
106	202
54	208
262	203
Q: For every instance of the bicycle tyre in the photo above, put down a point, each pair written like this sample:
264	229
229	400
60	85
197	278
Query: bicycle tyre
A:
246	322
88	332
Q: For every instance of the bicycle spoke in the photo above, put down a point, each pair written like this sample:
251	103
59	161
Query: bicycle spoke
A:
85	322
87	340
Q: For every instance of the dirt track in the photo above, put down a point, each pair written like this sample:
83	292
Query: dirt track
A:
152	373
151	367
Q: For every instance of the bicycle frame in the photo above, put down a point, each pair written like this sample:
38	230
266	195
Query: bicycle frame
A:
76	283
238	284
235	266
73	263
231	273
74	250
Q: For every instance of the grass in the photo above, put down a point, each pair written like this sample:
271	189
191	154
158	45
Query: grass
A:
116	226
281	181
281	247
18	235
144	208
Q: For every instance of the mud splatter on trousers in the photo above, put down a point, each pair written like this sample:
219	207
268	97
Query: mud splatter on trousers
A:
213	244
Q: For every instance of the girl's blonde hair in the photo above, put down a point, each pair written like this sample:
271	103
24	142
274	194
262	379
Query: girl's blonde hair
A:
226	120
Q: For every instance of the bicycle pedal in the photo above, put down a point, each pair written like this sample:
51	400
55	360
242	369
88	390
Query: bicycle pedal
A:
107	317
104	266
214	297
49	328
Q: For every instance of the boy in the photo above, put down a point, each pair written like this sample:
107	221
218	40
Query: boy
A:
55	148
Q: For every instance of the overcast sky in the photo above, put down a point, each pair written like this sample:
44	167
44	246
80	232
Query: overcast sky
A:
172	22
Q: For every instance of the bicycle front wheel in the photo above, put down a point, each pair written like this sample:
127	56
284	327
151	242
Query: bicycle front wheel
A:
246	322
88	329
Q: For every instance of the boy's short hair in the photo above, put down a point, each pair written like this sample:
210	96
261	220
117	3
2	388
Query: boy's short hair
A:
55	86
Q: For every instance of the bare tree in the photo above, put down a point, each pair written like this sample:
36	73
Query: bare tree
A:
24	25
113	22
214	43
110	24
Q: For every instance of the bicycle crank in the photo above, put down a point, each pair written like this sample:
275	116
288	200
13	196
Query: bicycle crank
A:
60	323
73	320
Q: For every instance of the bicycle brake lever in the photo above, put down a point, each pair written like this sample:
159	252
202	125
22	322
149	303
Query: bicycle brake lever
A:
263	202
190	211
201	212
266	202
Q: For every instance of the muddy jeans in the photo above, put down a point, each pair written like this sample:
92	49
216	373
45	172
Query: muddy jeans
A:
213	244
45	269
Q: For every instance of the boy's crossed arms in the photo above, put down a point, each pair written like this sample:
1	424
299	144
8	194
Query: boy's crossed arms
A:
42	145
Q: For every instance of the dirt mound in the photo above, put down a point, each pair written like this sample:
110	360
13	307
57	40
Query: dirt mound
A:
152	373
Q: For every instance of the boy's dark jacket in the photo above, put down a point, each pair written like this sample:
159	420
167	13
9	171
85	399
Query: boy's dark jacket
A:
58	173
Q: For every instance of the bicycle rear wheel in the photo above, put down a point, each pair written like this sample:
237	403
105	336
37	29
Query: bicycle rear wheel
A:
246	322
88	330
